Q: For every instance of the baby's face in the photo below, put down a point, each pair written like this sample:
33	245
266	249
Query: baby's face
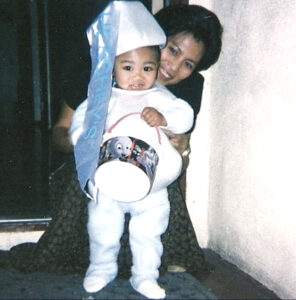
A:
136	69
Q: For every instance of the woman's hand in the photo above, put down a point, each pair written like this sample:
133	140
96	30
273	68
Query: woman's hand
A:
61	139
179	141
60	131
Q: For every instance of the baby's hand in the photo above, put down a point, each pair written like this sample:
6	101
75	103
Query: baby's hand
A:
152	117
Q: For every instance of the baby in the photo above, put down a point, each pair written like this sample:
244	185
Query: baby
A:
135	90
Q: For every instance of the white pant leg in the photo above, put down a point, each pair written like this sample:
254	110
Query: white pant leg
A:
149	220
105	227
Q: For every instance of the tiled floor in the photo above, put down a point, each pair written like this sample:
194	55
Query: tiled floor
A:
225	282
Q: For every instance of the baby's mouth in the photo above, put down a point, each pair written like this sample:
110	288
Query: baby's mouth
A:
136	86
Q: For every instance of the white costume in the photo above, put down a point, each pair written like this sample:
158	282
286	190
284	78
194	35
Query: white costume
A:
179	117
149	216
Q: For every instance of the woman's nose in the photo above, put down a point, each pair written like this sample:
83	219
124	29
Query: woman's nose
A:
175	65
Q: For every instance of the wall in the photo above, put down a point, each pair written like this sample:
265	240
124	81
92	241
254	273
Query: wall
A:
244	144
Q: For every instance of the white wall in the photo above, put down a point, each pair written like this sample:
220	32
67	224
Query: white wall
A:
244	144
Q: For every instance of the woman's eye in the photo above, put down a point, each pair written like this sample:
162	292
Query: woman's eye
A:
189	66
173	50
127	68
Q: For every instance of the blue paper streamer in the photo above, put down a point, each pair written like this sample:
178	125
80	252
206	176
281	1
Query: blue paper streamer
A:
102	36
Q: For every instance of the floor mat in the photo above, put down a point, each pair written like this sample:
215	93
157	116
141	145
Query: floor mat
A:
16	285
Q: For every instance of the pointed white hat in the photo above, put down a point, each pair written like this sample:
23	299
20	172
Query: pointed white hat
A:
137	27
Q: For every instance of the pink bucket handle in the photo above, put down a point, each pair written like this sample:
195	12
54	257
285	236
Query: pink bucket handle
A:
127	115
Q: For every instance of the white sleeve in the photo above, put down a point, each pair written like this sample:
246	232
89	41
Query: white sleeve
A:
76	128
177	112
179	116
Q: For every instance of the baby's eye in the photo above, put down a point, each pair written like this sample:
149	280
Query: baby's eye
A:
127	68
148	69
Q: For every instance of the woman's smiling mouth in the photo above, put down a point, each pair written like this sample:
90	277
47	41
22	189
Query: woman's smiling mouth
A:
164	74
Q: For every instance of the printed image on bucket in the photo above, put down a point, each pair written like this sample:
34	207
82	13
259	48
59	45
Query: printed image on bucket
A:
126	168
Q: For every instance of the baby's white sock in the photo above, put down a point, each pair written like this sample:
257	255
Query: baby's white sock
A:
150	289
94	284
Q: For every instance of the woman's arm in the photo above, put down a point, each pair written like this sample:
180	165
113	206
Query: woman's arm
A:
182	144
60	131
190	89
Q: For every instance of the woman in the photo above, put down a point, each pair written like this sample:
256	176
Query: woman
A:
194	44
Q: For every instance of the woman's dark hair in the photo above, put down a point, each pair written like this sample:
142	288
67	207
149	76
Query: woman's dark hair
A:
203	24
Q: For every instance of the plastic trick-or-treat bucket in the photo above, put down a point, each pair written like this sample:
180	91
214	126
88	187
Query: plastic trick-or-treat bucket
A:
127	163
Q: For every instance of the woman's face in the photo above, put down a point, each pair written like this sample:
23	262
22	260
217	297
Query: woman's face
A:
179	58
